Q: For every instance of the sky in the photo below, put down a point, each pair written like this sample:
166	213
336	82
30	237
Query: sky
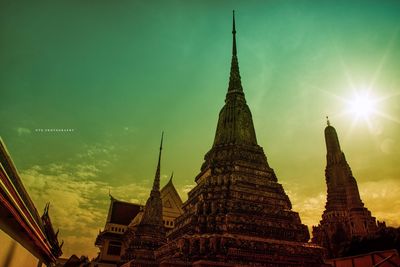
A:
118	73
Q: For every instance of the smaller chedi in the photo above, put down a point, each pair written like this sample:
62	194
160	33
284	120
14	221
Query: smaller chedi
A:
124	220
345	216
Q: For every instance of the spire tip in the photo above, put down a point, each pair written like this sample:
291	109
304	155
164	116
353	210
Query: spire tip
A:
327	121
233	22
162	138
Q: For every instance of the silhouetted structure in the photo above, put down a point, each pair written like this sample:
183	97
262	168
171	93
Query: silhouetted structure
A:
386	238
109	241
146	233
31	234
121	214
238	213
73	261
387	258
345	216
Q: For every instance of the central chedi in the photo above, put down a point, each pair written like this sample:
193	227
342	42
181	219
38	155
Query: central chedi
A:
238	214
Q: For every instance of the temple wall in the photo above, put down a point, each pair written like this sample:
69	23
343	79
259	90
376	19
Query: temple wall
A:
107	257
13	254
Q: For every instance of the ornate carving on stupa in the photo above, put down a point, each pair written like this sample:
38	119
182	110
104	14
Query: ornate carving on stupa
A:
238	214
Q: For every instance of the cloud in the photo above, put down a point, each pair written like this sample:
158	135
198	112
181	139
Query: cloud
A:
309	206
93	152
79	201
184	190
23	131
382	199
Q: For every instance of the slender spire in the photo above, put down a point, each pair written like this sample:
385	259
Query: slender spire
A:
235	124
234	52
327	121
235	84
156	183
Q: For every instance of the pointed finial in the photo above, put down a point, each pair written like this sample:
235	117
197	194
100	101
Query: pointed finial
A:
109	194
162	137
234	52
235	85
156	183
327	121
234	28
172	176
46	208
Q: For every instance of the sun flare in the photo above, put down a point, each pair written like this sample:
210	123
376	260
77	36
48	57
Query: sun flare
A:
362	105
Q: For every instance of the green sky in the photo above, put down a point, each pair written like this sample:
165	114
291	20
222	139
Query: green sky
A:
120	72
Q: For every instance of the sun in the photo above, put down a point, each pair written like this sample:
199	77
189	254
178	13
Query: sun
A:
363	104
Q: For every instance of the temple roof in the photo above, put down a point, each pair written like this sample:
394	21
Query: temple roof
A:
122	212
49	231
171	200
137	219
8	165
19	216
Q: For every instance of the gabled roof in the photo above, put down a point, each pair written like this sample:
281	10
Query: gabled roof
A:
122	212
170	197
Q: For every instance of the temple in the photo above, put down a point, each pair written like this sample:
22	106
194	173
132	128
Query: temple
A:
238	214
26	238
345	216
146	232
121	214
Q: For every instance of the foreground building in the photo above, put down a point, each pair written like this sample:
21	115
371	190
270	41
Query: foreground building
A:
345	216
27	239
121	214
237	214
386	258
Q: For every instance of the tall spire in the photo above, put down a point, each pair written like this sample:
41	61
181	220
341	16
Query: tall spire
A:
156	183
153	209
235	84
331	139
235	124
144	235
345	216
234	52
